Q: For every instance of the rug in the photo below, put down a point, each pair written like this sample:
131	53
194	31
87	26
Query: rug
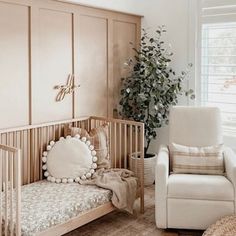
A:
223	227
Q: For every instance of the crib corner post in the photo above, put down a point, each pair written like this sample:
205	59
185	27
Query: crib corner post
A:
142	169
18	192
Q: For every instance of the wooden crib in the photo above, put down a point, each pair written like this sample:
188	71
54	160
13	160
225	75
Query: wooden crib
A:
20	164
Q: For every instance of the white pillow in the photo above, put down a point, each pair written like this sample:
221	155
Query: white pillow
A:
69	159
197	160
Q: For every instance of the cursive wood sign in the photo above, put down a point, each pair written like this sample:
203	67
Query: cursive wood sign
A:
69	88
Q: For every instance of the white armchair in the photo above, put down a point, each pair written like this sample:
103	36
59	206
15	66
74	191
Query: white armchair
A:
191	201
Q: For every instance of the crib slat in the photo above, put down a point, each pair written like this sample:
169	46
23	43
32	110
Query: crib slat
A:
21	135
18	193
131	141
88	125
11	156
53	131
34	155
36	159
142	168
7	138
125	146
136	150
110	144
120	152
1	174
6	192
24	155
59	130
28	156
40	151
114	144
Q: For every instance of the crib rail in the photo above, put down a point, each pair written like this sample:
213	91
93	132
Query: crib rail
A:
10	194
32	140
126	145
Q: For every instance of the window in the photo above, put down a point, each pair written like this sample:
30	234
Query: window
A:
218	61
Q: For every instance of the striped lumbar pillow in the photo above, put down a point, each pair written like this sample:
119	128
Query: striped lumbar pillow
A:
98	138
197	160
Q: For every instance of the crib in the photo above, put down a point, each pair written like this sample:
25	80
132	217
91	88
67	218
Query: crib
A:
21	174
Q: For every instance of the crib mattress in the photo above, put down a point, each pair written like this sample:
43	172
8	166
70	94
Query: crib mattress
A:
46	204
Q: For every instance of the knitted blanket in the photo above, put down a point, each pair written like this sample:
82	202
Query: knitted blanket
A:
121	182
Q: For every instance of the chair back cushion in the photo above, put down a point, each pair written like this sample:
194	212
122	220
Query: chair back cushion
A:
197	160
195	126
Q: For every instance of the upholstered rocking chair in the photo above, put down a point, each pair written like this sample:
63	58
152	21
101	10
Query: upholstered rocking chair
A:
194	201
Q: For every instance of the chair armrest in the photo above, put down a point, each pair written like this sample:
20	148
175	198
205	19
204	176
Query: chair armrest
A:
161	182
230	165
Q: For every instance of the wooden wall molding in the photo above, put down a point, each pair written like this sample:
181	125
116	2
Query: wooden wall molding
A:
55	39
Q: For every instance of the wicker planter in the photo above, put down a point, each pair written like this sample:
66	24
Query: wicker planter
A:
149	167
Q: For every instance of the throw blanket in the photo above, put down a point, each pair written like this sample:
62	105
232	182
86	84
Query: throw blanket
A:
121	182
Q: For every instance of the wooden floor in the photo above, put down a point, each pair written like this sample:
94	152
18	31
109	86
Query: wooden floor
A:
122	224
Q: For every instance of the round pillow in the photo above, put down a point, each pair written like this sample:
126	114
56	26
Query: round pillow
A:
69	160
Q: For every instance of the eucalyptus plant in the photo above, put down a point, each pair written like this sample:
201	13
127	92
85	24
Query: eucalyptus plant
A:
152	86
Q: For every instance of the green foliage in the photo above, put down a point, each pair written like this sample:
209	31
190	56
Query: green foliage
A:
152	86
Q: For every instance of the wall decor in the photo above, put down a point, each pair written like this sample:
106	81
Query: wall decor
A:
66	89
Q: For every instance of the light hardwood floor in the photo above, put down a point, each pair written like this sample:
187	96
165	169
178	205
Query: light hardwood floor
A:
122	224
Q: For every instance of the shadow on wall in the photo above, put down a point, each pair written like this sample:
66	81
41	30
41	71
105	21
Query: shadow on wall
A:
162	138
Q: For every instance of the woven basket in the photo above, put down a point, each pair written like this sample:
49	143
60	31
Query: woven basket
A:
223	227
149	168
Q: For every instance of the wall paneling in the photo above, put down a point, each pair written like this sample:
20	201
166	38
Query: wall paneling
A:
43	41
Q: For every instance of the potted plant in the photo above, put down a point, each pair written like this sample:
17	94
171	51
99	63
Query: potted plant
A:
150	89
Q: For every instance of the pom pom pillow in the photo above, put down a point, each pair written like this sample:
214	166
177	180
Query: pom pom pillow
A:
197	160
69	159
98	138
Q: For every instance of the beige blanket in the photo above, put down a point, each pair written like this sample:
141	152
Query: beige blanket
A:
121	182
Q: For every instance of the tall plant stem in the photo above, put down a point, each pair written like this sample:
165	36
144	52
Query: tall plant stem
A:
147	147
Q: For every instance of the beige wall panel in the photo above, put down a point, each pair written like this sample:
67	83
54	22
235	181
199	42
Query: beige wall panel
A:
14	65
123	34
91	97
55	58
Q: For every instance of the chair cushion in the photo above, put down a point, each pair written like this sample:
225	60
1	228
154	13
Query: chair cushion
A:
203	187
197	160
